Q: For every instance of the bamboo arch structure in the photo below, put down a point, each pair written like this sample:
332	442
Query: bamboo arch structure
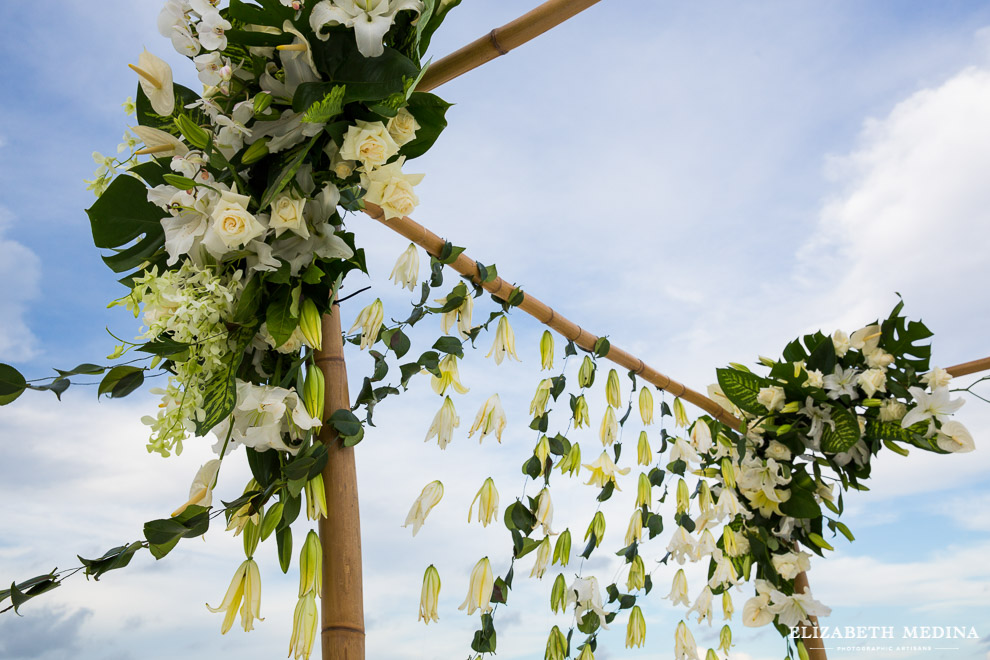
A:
342	611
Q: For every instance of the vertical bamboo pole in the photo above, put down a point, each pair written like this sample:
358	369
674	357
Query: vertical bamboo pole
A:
342	610
810	633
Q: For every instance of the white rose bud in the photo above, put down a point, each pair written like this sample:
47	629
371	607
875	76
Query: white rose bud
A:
402	127
771	398
892	410
840	341
287	215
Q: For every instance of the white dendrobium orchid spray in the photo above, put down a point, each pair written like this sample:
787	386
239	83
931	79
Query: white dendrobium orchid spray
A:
201	490
370	321
479	593
244	596
505	342
487	499
370	19
429	596
444	423
155	78
490	419
391	189
405	273
428	498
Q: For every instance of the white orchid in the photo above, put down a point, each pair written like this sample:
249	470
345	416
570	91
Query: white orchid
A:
211	31
371	19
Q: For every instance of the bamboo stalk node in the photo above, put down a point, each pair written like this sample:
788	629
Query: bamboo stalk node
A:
493	35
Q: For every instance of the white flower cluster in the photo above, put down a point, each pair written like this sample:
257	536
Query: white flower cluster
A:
264	417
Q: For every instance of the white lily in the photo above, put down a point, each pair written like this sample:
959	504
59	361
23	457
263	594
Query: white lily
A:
586	596
490	419
444	423
201	490
937	405
370	19
405	273
479	594
246	587
428	498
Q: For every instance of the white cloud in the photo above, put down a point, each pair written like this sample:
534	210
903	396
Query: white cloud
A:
20	273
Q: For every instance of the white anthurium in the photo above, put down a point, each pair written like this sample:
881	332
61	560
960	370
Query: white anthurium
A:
954	437
298	64
938	404
370	19
756	611
155	78
159	143
201	490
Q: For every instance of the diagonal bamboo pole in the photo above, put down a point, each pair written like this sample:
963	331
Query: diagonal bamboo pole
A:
501	40
342	613
466	266
967	368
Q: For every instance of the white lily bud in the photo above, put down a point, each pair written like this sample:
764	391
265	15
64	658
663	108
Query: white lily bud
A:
542	558
310	565
544	511
201	490
505	342
586	374
479	594
305	627
449	376
487	499
680	418
582	417
727	611
644	492
370	322
644	454
444	423
636	630
683	497
429	596
314	393
556	645
311	324
539	404
490	419
646	405
405	273
637	574
612	393
609	430
428	498
245	586
542	451
634	532
546	350
316	498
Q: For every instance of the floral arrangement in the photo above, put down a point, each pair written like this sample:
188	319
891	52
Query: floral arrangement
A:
227	224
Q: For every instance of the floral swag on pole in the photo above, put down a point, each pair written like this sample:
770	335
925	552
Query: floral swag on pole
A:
226	223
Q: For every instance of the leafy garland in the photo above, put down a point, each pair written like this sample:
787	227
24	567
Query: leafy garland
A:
231	241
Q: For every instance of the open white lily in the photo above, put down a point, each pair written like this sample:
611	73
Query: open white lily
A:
371	19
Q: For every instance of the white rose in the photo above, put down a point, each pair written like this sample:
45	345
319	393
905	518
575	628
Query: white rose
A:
872	381
937	377
892	410
402	127
368	142
841	342
772	398
232	223
879	359
778	451
392	190
287	214
790	564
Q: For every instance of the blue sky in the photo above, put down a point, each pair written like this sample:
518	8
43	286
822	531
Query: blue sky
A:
699	181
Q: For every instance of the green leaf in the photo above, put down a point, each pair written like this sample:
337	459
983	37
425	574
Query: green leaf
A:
742	388
287	173
845	530
366	78
272	518
451	345
396	340
112	559
449	253
121	381
819	541
430	112
272	15
220	392
25	591
347	425
84	369
802	503
602	347
122	214
12	384
279	317
163	534
326	109
844	435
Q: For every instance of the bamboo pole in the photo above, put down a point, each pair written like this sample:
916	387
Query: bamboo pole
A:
342	611
810	634
466	266
501	40
967	368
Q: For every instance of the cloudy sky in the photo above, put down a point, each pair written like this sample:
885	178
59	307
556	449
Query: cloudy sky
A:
699	181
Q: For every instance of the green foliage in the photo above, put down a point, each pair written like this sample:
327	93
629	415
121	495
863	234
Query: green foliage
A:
742	388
